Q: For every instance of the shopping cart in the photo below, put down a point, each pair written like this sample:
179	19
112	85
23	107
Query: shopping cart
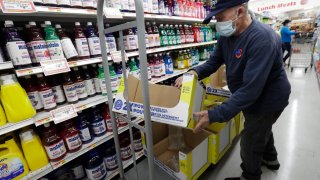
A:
301	56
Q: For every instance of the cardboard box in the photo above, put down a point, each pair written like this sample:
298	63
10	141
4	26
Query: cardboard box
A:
192	161
239	119
169	105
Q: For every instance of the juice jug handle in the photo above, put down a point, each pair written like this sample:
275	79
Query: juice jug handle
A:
4	146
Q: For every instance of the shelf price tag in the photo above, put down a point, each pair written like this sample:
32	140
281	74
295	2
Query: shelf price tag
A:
55	67
112	12
116	56
42	121
17	6
64	113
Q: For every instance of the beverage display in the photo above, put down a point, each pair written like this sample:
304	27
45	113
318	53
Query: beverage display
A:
110	41
110	156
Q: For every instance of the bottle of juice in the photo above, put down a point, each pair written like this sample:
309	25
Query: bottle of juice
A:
95	75
53	143
15	101
111	41
76	3
151	65
50	3
202	34
71	137
88	81
64	3
113	78
190	62
168	63
80	84
182	35
46	94
102	80
83	125
94	166
70	88
28	44
173	35
163	36
125	147
97	123
181	63
107	117
131	40
157	68
177	33
33	150
81	42
32	90
53	42
93	41
169	35
137	141
69	50
163	66
16	47
161	7
39	46
118	70
110	156
55	83
134	70
156	35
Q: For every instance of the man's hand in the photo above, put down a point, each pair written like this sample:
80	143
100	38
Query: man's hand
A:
178	82
203	122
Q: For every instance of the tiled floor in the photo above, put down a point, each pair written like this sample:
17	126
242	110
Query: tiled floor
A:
297	139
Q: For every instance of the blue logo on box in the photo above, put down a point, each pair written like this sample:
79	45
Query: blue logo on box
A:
118	104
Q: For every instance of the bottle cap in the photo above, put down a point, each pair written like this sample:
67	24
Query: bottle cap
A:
89	23
26	135
47	23
77	23
8	23
32	23
39	75
58	26
84	67
76	68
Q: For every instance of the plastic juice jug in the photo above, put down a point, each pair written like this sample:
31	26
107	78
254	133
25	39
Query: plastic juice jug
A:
69	50
70	89
130	41
163	66
169	35
113	78
149	35
13	165
110	156
33	150
80	84
168	63
88	81
182	34
28	44
181	64
94	166
81	42
93	41
94	74
32	90
111	41
156	67
71	137
53	42
3	119
53	143
15	101
173	35
102	80
156	35
134	70
39	46
178	35
118	70
137	141
46	94
16	47
55	83
97	123
163	36
83	126
196	33
107	117
186	59
125	147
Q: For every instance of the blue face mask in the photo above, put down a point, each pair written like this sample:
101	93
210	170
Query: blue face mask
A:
226	28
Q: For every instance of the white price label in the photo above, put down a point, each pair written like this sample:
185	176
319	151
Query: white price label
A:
116	56
17	6
112	12
52	67
64	113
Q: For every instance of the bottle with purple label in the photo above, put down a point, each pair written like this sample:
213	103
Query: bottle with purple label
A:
93	40
97	123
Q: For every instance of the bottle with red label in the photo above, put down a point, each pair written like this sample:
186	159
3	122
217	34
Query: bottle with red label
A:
125	146
28	44
46	94
94	74
69	88
137	141
93	40
157	67
88	81
182	35
163	66
69	50
97	123
55	83
107	117
16	47
53	143
32	90
71	136
81	42
80	84
39	45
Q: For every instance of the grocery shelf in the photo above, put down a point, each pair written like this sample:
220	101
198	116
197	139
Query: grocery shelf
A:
6	65
175	73
85	148
14	126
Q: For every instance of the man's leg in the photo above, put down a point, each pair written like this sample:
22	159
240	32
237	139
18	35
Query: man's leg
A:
270	155
287	47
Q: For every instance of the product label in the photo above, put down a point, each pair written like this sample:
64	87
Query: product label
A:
94	45
157	70
137	144
73	142
81	89
78	172
82	47
114	83
109	125
31	53
111	161
71	92
76	3
99	127
151	42
125	152
63	2
116	56
103	85
88	3
49	2
40	50
156	40
132	6
55	49
68	48
131	42
97	85
181	65
97	172
56	150
85	134
89	84
111	44
35	100
11	168
124	4
58	94
47	98
164	40
18	53
183	39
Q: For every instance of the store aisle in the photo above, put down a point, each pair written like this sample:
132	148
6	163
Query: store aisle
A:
296	134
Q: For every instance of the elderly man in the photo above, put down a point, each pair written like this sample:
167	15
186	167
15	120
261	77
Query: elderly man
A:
255	76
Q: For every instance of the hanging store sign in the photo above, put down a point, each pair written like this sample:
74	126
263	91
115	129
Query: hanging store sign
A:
17	6
281	5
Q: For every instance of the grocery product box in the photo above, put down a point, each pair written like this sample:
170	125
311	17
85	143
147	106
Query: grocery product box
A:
185	164
169	105
239	119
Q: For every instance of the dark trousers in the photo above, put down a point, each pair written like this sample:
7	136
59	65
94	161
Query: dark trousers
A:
257	143
286	47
